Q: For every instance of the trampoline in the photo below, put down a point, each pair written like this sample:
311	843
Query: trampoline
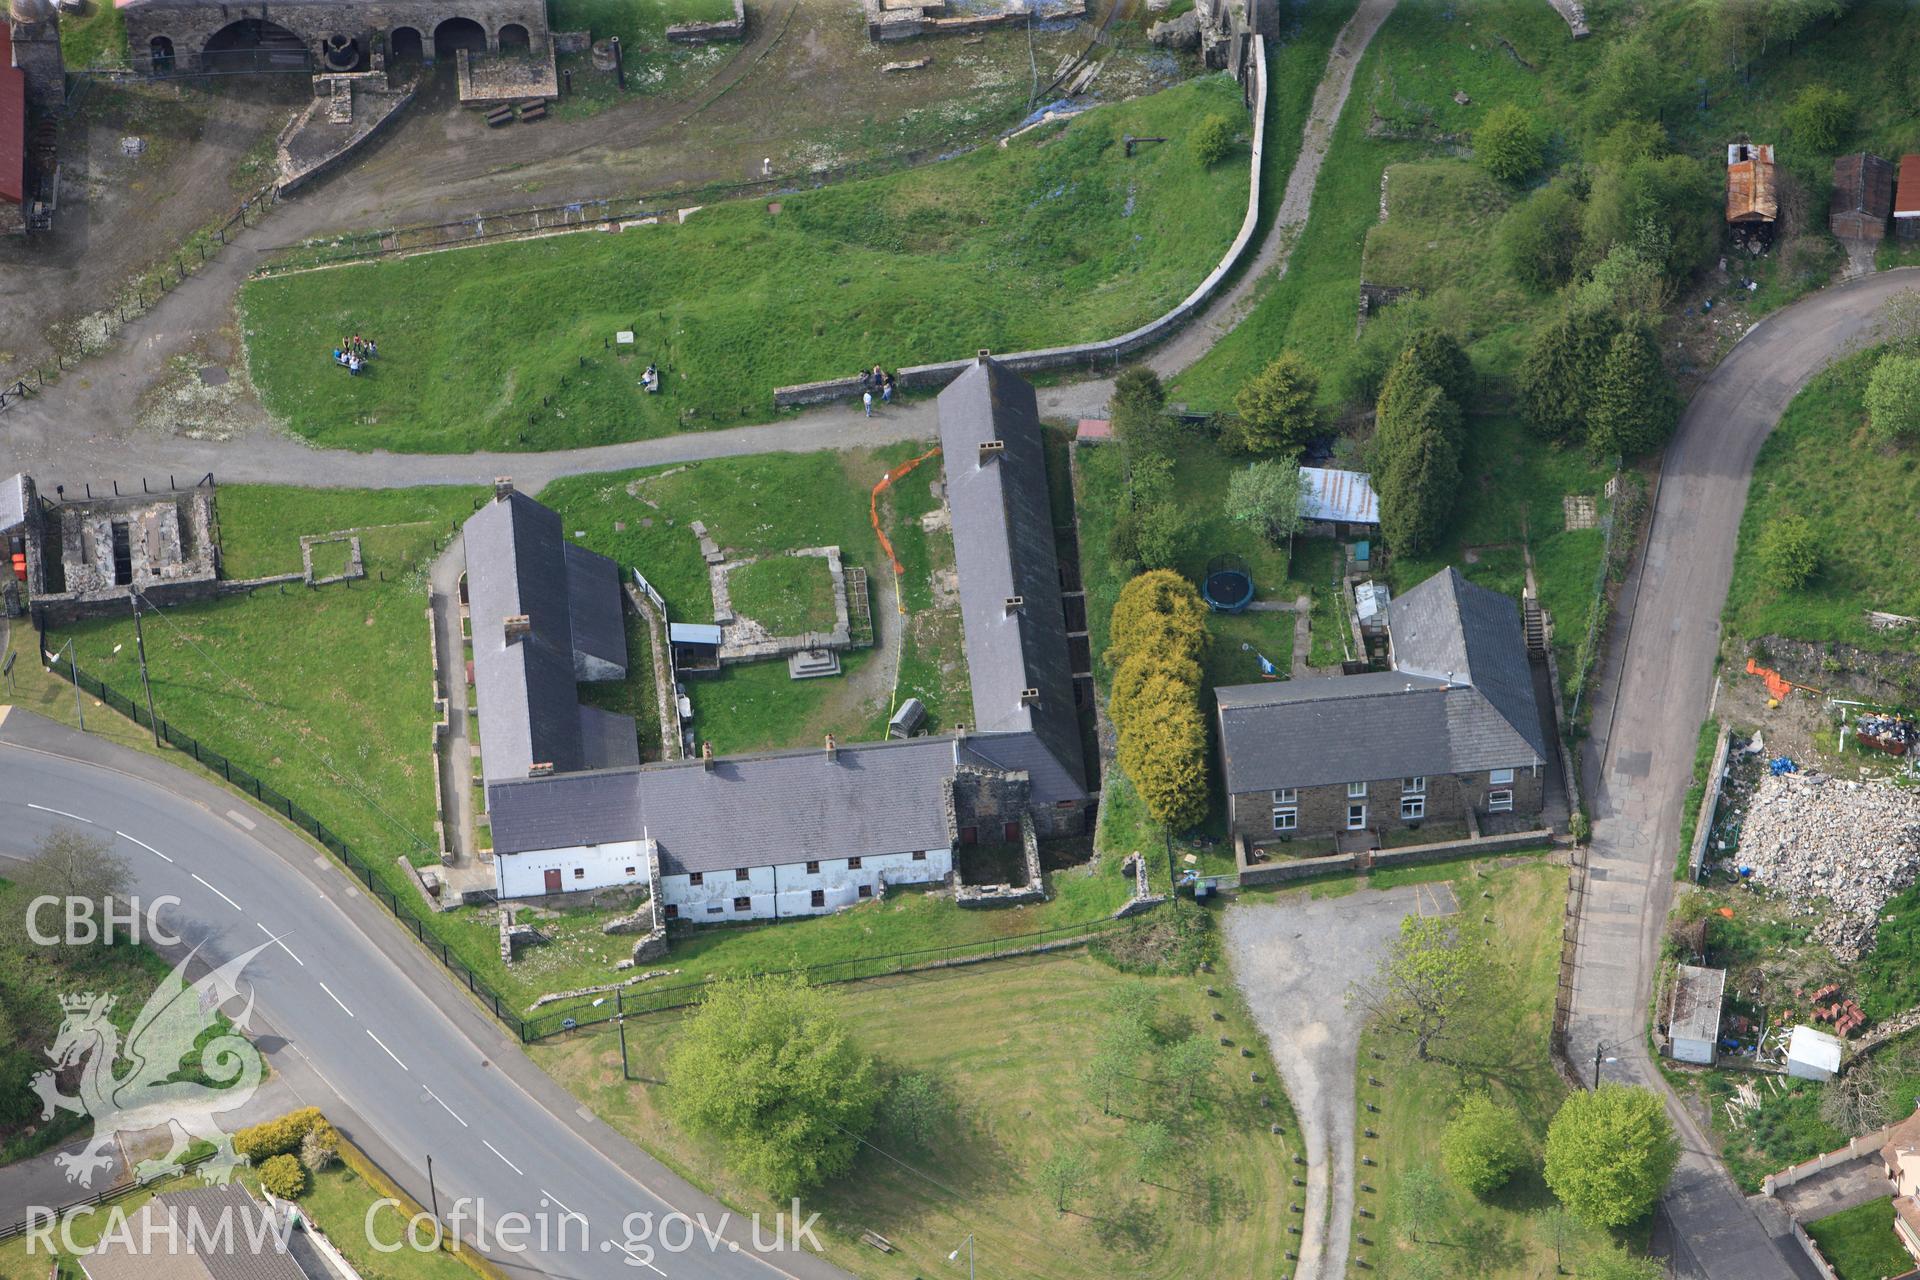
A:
1228	587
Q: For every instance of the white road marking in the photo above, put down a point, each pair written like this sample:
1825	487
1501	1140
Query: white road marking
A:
241	819
510	1164
390	1053
223	897
144	845
336	999
444	1107
636	1257
62	812
276	941
563	1204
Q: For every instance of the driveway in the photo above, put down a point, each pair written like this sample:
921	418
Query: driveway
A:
1294	958
1646	717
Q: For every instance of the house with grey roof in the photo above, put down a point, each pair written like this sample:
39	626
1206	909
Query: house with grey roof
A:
204	1233
772	835
1451	734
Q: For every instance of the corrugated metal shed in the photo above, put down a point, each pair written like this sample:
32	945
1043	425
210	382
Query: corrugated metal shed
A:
1752	194
1906	196
1340	497
1862	196
693	632
1697	994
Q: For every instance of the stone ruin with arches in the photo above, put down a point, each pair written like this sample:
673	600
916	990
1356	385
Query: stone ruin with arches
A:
341	36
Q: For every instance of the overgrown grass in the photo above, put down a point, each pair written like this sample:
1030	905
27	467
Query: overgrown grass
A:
990	1037
1514	1232
1859	497
96	36
788	595
1785	1129
1860	1244
635	696
1057	238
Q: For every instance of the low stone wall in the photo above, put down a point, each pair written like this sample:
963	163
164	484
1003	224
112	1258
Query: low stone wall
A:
1007	895
1143	899
1413	855
1709	802
1865	1145
649	921
1088	355
308	149
711	32
442	726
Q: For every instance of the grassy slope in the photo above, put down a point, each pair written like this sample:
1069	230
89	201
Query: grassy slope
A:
1860	1243
96	37
1860	498
1058	238
991	1038
1507	1236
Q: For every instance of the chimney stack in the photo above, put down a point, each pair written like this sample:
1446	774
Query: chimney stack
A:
518	627
706	755
1014	603
544	769
991	449
960	728
1029	697
502	488
833	749
982	356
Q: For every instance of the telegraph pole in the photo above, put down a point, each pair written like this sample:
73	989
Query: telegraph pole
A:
140	646
620	1016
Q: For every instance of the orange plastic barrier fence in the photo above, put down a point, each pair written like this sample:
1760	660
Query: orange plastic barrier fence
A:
873	509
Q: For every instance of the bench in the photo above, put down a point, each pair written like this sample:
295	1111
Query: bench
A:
876	1240
499	116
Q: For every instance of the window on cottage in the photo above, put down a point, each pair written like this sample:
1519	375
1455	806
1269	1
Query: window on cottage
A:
741	873
1499	802
579	873
1286	795
673	912
919	855
696	877
1499	777
818	898
1413	786
1356	790
715	909
866	891
1286	819
813	868
1356	817
630	871
1413	807
743	904
853	864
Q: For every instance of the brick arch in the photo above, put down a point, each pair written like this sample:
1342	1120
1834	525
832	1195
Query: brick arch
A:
459	32
406	43
513	37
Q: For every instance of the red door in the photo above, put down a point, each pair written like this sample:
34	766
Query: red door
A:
1011	832
553	880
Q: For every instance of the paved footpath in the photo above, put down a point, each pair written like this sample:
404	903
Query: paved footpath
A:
1646	716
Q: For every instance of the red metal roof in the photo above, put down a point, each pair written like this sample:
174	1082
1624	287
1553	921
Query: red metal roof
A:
13	124
1906	197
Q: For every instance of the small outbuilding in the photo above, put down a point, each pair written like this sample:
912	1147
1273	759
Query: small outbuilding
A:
907	720
1906	199
1752	194
1862	197
1813	1055
1339	504
1693	1022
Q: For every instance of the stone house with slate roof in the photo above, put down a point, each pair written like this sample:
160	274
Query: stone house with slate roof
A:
778	834
1452	729
203	1233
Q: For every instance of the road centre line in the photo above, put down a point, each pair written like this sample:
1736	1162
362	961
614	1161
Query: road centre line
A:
62	812
144	845
276	942
444	1107
510	1164
563	1204
336	999
223	897
390	1053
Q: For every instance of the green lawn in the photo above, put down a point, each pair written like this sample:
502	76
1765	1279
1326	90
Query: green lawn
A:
1515	1232
991	1037
1860	1243
1860	498
635	696
1057	238
1240	640
788	595
94	37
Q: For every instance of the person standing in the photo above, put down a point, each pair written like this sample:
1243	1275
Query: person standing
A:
866	398
886	388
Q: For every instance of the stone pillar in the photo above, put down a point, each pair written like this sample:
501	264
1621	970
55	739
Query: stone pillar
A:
36	51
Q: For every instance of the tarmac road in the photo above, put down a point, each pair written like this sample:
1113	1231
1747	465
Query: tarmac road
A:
354	1009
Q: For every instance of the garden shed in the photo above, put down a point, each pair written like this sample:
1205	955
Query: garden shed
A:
1906	199
1752	194
1862	197
1693	1022
1338	504
1813	1055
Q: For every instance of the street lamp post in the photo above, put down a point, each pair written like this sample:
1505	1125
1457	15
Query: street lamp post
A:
1599	1049
966	1244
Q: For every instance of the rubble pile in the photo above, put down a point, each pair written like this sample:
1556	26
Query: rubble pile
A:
1854	845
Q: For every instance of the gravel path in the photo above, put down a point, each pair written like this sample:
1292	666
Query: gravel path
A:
1294	959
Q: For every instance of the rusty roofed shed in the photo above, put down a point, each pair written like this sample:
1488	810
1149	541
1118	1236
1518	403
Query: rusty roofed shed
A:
1752	193
1906	199
1693	1024
1862	197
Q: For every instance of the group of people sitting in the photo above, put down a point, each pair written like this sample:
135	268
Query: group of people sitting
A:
353	353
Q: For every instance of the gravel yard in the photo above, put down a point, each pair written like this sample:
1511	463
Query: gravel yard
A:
1850	845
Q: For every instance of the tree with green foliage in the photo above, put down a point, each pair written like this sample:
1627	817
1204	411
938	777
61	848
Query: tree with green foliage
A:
1149	677
1750	27
1267	495
911	1109
1062	1177
1637	78
1482	1145
1418	1202
1610	1153
1137	406
1436	356
320	1148
1893	398
1790	552
1275	408
1213	137
1188	1064
766	1066
1158	612
1561	367
1163	535
1539	238
1163	750
1630	140
1611	1262
1154	1148
1508	144
1416	468
1634	406
1670	206
1434	983
72	866
1819	118
285	1177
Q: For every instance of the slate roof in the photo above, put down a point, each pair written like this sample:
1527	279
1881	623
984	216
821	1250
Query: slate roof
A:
1414	721
198	1215
1003	546
1344	497
519	562
595	807
1697	994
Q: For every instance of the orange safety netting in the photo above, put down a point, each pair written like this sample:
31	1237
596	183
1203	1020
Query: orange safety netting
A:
1777	685
873	509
